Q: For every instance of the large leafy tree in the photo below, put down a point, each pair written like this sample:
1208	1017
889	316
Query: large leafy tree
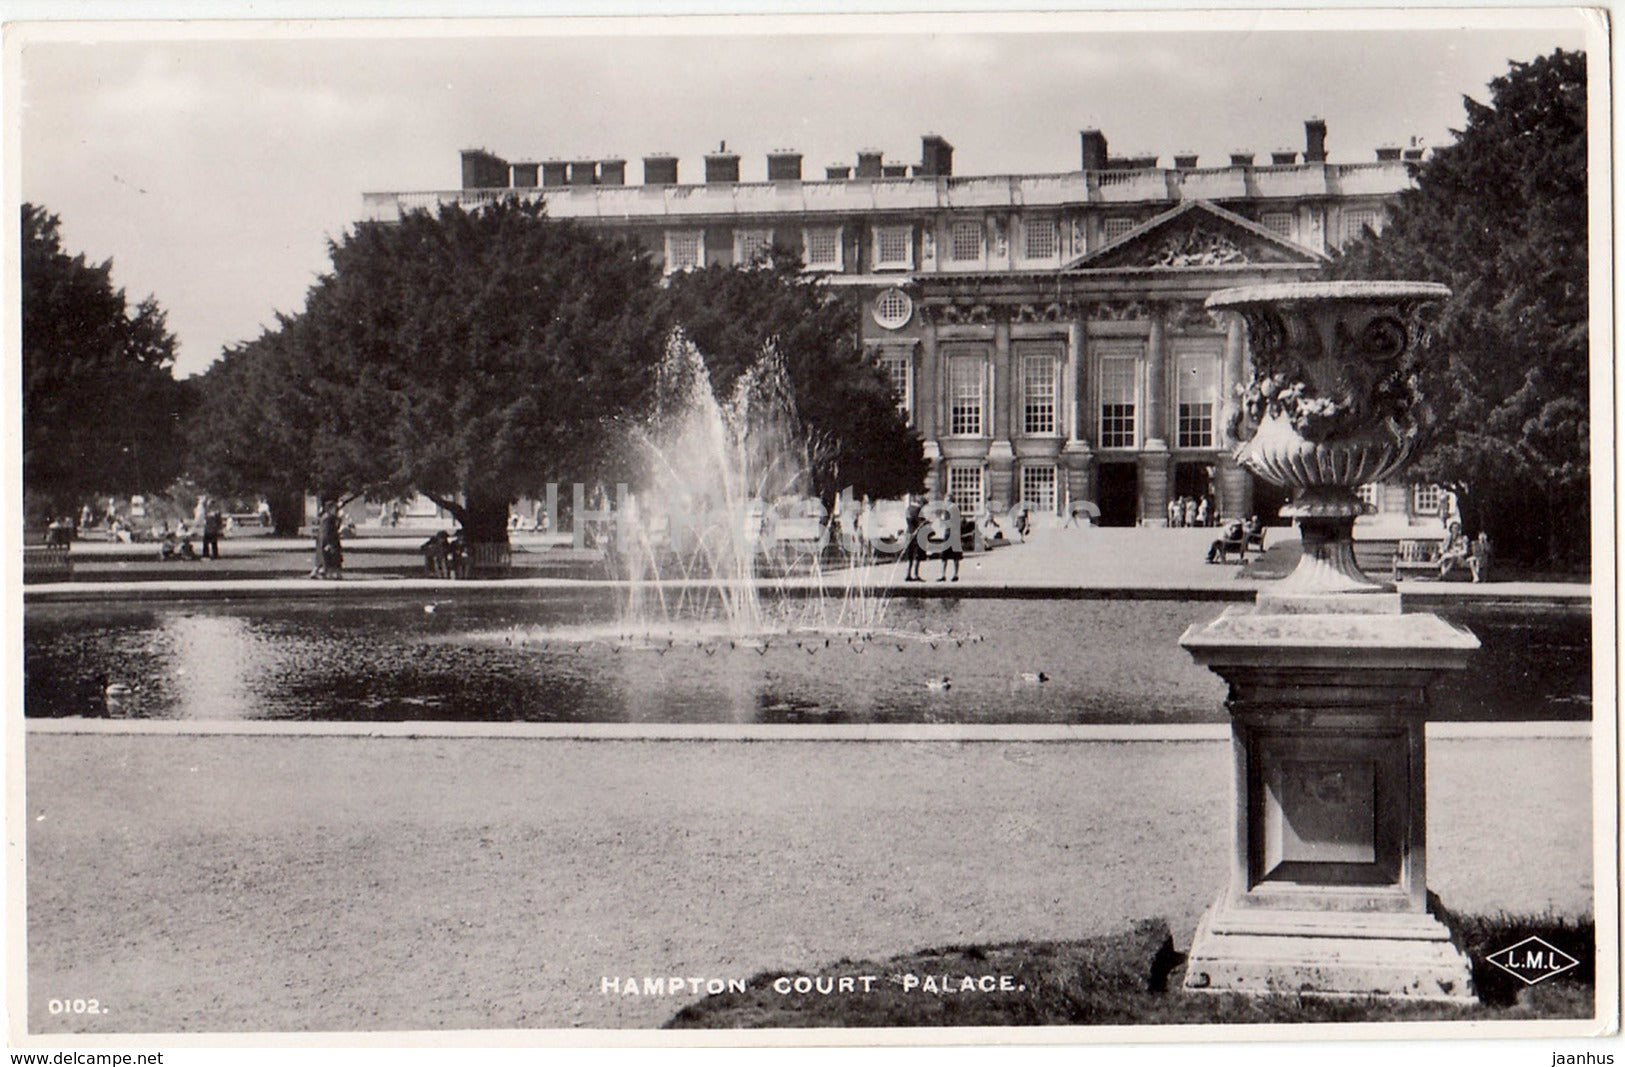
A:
252	431
102	411
844	401
1500	216
471	356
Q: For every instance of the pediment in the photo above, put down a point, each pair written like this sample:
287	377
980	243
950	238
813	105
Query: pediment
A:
1197	235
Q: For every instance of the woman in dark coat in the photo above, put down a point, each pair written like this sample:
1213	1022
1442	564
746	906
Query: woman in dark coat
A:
329	552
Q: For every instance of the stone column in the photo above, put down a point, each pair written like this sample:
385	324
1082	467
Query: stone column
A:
1072	383
1235	483
1156	388
1154	484
1002	391
927	379
1001	455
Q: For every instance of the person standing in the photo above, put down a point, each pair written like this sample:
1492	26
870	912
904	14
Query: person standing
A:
213	523
332	551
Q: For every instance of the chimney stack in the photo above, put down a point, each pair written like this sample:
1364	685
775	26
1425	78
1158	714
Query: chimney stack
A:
660	170
482	170
1283	158
524	175
1185	160
555	172
1414	155
870	164
612	172
837	173
1094	149
784	165
936	157
1388	154
1314	136
721	166
583	172
1241	159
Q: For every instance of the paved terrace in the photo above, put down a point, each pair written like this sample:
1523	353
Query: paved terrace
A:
1057	561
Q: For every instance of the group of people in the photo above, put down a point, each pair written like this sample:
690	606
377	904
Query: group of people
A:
1192	511
445	555
1458	551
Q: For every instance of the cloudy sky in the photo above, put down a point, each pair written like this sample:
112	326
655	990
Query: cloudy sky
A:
213	162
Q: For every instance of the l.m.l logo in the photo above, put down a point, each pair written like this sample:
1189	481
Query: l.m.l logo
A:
1533	960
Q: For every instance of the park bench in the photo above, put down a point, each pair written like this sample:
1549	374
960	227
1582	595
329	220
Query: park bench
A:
487	558
46	563
1248	541
1416	557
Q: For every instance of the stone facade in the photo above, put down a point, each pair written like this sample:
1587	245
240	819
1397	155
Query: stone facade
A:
1045	333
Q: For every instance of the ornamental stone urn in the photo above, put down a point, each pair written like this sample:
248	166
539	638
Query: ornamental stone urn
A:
1328	676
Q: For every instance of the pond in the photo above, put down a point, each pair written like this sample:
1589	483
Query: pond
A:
539	658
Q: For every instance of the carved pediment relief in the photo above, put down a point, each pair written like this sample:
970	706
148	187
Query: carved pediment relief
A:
1197	236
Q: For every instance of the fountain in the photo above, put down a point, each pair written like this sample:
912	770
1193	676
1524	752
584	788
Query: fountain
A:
1328	678
726	537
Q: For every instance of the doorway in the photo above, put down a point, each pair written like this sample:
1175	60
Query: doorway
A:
1268	500
1118	485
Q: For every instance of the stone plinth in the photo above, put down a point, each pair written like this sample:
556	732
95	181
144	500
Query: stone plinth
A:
1328	881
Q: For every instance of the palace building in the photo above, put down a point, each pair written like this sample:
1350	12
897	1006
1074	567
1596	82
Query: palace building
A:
1045	333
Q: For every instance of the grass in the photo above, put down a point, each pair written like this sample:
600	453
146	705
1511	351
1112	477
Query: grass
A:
1133	978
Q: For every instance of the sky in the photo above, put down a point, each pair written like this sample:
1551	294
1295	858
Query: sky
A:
214	162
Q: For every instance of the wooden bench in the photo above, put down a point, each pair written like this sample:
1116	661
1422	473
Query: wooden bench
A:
1416	557
487	558
46	563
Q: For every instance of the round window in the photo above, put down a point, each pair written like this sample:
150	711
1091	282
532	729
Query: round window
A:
893	309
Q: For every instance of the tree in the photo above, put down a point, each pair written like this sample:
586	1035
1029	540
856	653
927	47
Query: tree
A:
471	356
1500	216
102	411
249	434
843	399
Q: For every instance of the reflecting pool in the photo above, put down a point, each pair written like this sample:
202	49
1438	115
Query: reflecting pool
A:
522	657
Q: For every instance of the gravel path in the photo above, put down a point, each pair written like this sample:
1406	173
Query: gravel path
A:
320	883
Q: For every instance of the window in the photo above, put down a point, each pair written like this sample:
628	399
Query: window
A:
965	242
1119	394
965	489
823	249
1041	239
1038	488
748	244
1355	223
966	383
1371	496
1117	227
900	371
1196	394
1425	500
1278	221
685	250
1038	391
893	309
894	247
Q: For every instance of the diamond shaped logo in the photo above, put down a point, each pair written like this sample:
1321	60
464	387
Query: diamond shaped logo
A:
1533	960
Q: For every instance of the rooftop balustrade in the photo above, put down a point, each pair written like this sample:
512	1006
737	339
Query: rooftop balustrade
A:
925	194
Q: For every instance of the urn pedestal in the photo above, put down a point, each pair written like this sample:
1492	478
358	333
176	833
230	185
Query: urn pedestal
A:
1328	676
1328	879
